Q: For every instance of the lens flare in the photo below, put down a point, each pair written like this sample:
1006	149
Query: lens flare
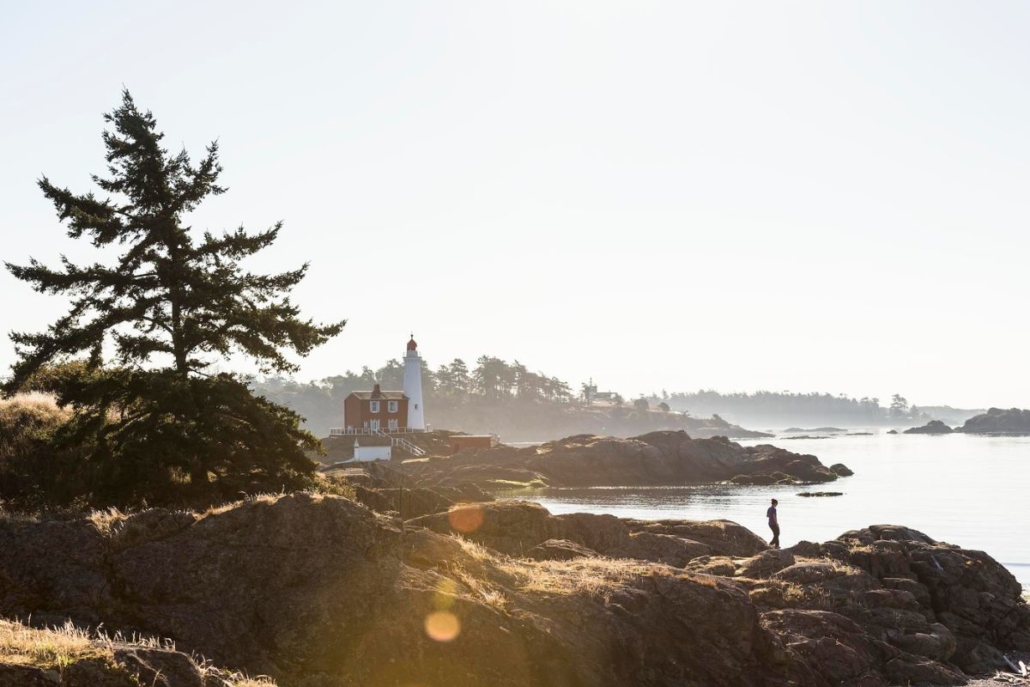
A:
466	518
442	626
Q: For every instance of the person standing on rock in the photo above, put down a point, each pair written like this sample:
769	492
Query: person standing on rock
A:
774	524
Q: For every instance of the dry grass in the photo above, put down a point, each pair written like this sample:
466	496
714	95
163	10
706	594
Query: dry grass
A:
57	648
780	594
474	572
240	680
479	586
27	416
843	568
333	485
33	397
476	551
254	498
107	521
704	579
592	577
488	574
47	649
123	530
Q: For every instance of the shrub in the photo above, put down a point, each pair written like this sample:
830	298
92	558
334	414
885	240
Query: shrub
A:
35	473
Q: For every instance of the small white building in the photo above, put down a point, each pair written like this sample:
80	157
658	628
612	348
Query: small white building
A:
365	454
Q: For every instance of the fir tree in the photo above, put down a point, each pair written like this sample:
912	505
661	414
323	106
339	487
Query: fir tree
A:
159	421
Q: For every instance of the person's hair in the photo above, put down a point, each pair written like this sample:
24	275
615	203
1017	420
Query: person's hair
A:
775	502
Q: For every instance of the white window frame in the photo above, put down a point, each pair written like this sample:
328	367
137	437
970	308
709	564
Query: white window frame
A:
392	406
391	424
373	407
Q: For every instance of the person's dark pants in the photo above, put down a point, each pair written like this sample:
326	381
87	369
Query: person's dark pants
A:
776	535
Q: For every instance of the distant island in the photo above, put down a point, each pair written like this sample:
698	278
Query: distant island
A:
998	421
1013	421
932	427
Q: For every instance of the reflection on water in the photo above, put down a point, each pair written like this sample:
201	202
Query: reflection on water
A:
965	490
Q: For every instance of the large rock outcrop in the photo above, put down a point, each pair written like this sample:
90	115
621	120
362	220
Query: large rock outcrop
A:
655	459
517	527
998	421
320	591
931	427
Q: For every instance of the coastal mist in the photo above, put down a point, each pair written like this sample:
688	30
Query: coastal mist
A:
966	490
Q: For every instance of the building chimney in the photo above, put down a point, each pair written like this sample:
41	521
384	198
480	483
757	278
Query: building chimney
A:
376	393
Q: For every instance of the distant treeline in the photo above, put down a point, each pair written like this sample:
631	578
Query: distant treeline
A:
778	409
495	395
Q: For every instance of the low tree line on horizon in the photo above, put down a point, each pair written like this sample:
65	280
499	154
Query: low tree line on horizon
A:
494	382
822	407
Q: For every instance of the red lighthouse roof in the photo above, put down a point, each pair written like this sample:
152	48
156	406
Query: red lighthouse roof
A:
411	344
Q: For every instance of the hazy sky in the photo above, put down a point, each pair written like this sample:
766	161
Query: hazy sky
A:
794	195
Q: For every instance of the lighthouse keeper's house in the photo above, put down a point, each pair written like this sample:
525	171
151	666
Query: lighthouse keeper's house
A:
386	411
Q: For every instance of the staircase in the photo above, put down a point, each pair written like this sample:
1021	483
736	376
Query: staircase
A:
400	443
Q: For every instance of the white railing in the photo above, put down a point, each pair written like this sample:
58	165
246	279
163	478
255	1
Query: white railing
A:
397	442
400	443
365	431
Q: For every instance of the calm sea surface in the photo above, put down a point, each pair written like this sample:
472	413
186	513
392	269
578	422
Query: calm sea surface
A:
966	490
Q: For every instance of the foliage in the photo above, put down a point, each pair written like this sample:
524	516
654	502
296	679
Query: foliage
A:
899	406
35	472
158	423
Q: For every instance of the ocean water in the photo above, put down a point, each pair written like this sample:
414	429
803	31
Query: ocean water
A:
971	491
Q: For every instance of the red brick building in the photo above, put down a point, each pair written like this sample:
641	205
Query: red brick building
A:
383	410
461	442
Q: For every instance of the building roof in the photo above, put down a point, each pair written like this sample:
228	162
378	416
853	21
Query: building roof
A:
385	395
411	344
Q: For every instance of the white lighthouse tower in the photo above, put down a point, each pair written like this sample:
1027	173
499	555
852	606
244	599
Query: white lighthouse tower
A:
413	386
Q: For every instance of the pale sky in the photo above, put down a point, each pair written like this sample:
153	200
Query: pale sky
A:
805	196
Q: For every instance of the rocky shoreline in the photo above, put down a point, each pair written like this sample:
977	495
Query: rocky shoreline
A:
319	591
656	459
